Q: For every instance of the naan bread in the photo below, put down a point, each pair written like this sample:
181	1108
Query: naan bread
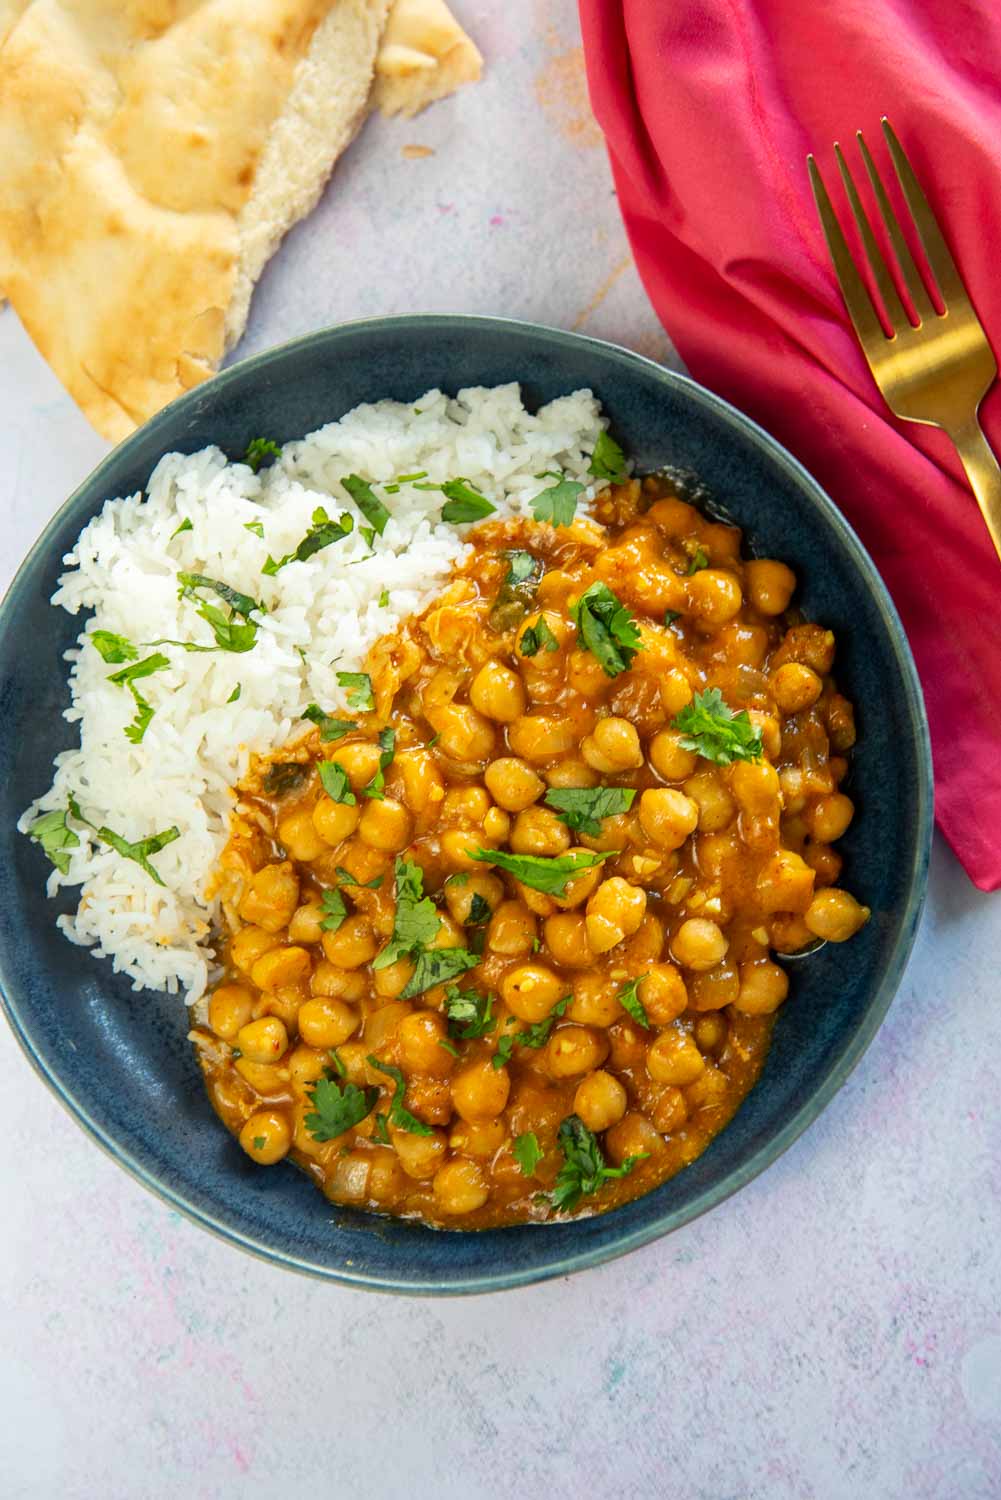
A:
154	153
425	54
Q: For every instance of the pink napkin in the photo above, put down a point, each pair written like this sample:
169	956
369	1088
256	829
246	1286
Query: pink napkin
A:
710	108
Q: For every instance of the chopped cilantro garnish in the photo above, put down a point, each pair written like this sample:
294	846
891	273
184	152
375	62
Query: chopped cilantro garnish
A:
699	560
259	449
558	503
387	749
235	694
527	1152
337	1062
470	1014
336	910
346	878
323	533
608	460
448	1046
144	668
479	911
230	636
359	686
582	808
537	637
337	1108
629	998
607	628
384	599
113	648
712	729
534	1036
179	530
540	872
416	923
397	1114
259	1143
54	834
367	534
330	729
670	615
335	782
584	1170
381	1133
141	851
367	502
284	777
436	966
257	527
462	503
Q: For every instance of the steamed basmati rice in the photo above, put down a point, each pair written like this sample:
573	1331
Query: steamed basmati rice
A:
322	616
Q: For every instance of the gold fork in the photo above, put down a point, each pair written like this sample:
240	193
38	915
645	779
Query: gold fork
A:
939	372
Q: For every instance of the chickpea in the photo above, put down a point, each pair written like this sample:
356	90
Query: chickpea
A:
280	966
675	691
575	1049
595	999
835	915
230	1007
342	984
614	912
247	945
497	825
674	1058
335	821
348	1182
770	585
386	825
542	737
326	1022
480	1091
788	933
795	687
585	674
512	930
755	784
354	1061
271	897
263	1041
305	926
420	1036
465	804
825	863
463	734
420	1155
663	994
699	944
283	1003
714	596
512	784
763	987
531	991
266	1136
613	745
667	816
543	662
572	773
381	1026
460	1188
600	1100
669	759
713	988
461	892
717	808
423	786
538	830
785	883
709	1089
385	1178
483	1138
305	1066
360	759
497	692
632	1136
710	1032
670	1112
580	887
769	729
264	1078
566	938
628	1043
829	817
352	945
455	845
645	945
300	838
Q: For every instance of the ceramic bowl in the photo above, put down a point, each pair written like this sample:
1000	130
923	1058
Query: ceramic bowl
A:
120	1062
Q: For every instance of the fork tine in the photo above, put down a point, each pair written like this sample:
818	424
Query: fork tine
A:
950	283
891	298
853	289
905	260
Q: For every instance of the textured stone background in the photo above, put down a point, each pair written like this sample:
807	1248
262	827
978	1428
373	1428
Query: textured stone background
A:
833	1332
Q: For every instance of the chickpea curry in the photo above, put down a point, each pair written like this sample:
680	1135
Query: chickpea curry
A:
500	944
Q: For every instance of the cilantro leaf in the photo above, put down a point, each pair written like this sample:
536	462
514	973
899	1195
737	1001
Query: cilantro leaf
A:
448	1046
534	1036
256	527
558	503
583	807
322	533
387	749
712	729
607	628
384	599
699	560
670	615
608	460
141	851
523	567
397	1114
367	502
549	874
537	637
229	635
436	966
144	668
462	503
359	686
527	1152
339	1067
337	1107
179	530
259	449
416	923
142	718
470	1014
479	911
235	694
335	782
259	1142
330	729
240	604
54	834
629	998
113	648
336	910
284	777
346	878
584	1170
380	1133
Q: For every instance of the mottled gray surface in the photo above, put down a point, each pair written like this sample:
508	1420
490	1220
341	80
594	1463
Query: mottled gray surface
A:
834	1332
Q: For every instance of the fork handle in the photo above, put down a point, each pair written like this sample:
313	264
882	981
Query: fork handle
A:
983	473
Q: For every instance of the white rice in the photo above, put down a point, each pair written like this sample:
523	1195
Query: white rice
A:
124	568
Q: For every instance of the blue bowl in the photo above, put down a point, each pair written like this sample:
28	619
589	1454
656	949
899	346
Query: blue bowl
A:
120	1062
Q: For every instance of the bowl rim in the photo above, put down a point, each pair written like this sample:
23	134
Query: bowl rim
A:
564	1263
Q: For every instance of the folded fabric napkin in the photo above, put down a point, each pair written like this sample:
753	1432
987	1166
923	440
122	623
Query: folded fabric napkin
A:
710	109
